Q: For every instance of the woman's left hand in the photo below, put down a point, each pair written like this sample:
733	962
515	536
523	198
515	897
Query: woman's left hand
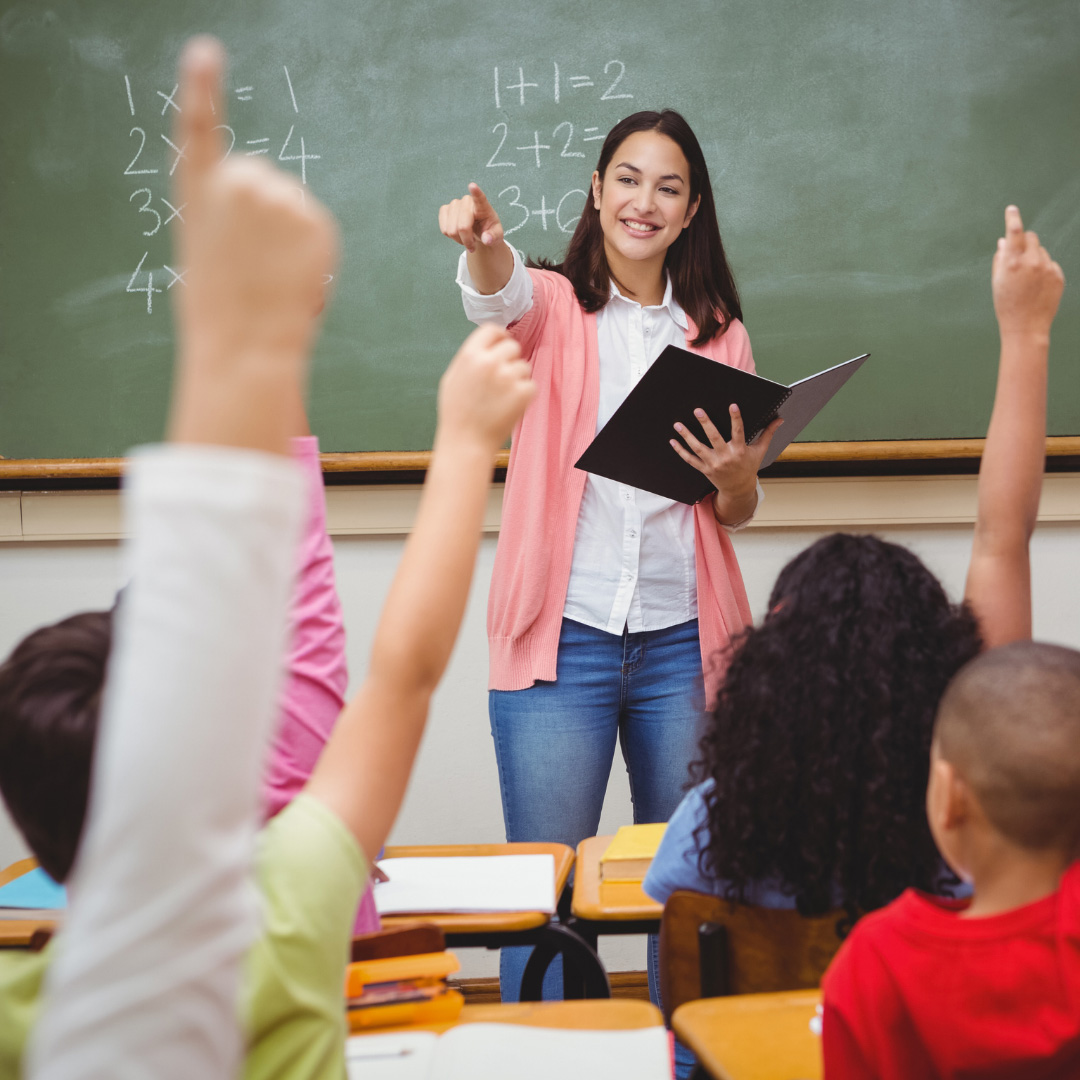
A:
731	467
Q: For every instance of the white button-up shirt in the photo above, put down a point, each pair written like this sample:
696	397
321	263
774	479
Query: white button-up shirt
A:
633	565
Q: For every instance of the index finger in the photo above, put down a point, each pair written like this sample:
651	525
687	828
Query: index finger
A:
1014	229
479	197
202	65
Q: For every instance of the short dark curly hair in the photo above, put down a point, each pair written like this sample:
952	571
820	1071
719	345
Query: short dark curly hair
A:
50	702
819	744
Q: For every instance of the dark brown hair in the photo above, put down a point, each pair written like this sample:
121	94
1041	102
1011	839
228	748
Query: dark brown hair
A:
50	698
701	280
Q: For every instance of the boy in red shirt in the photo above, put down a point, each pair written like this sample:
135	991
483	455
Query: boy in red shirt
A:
987	987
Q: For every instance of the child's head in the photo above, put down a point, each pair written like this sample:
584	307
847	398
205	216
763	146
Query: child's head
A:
693	252
821	735
1006	754
50	697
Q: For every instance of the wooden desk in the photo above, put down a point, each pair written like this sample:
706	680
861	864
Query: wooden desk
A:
18	933
614	905
596	909
584	974
620	1015
489	922
754	1036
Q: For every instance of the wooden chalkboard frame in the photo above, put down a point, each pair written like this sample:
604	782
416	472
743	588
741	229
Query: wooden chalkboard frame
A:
834	453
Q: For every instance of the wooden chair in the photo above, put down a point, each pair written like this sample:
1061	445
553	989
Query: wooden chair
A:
710	947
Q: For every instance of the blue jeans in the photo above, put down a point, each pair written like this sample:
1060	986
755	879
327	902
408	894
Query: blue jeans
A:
555	743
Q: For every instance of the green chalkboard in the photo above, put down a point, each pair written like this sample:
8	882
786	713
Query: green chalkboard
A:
861	153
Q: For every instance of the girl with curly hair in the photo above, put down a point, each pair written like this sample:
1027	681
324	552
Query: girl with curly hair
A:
813	768
815	760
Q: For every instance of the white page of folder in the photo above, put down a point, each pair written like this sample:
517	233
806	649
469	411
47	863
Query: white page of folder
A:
467	883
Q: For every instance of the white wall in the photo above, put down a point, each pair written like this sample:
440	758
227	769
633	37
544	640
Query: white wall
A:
454	793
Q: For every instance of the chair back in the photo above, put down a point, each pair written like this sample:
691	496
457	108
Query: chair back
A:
711	947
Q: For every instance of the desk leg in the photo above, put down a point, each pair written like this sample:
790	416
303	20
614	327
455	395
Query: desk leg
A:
574	979
583	974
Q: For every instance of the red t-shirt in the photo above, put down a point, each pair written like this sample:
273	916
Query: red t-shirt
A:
917	991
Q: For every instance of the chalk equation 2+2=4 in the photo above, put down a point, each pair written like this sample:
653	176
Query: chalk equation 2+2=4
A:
153	210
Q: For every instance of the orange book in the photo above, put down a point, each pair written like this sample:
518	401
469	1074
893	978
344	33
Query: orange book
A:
442	1009
423	969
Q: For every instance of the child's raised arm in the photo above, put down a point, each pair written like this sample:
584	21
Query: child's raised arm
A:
1027	286
161	909
363	773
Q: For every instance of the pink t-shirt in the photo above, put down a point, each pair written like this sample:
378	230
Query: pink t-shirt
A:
313	693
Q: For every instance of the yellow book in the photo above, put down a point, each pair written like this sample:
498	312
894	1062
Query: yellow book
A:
629	855
420	968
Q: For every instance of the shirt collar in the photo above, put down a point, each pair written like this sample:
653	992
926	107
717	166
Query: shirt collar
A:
674	308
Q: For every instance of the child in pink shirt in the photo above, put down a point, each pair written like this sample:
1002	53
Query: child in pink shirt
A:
313	693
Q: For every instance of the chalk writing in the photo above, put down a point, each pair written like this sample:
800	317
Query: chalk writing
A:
153	209
146	208
559	82
169	99
148	288
131	170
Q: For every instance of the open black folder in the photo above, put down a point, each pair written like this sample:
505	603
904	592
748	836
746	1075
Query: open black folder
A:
634	448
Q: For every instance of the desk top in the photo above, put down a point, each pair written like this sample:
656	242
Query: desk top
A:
17	933
485	922
754	1036
620	901
590	1015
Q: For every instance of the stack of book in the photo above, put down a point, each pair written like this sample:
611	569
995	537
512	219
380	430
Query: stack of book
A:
629	856
402	990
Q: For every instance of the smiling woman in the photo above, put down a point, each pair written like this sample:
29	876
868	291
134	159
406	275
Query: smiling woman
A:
610	607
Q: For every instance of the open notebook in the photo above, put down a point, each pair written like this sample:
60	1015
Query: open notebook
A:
634	448
499	1051
466	883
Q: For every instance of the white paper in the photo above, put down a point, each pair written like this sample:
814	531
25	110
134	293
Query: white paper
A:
498	1051
404	1055
467	884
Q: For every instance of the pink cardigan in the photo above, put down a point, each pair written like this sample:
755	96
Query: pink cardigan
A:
543	495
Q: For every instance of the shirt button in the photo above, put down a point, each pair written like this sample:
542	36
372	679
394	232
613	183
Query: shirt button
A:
632	534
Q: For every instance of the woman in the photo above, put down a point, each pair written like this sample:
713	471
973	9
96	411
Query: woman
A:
608	604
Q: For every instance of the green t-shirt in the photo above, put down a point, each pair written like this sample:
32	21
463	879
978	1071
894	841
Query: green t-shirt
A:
311	874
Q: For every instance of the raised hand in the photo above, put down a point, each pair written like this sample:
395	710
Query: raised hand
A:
485	389
731	467
256	249
1027	284
471	220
